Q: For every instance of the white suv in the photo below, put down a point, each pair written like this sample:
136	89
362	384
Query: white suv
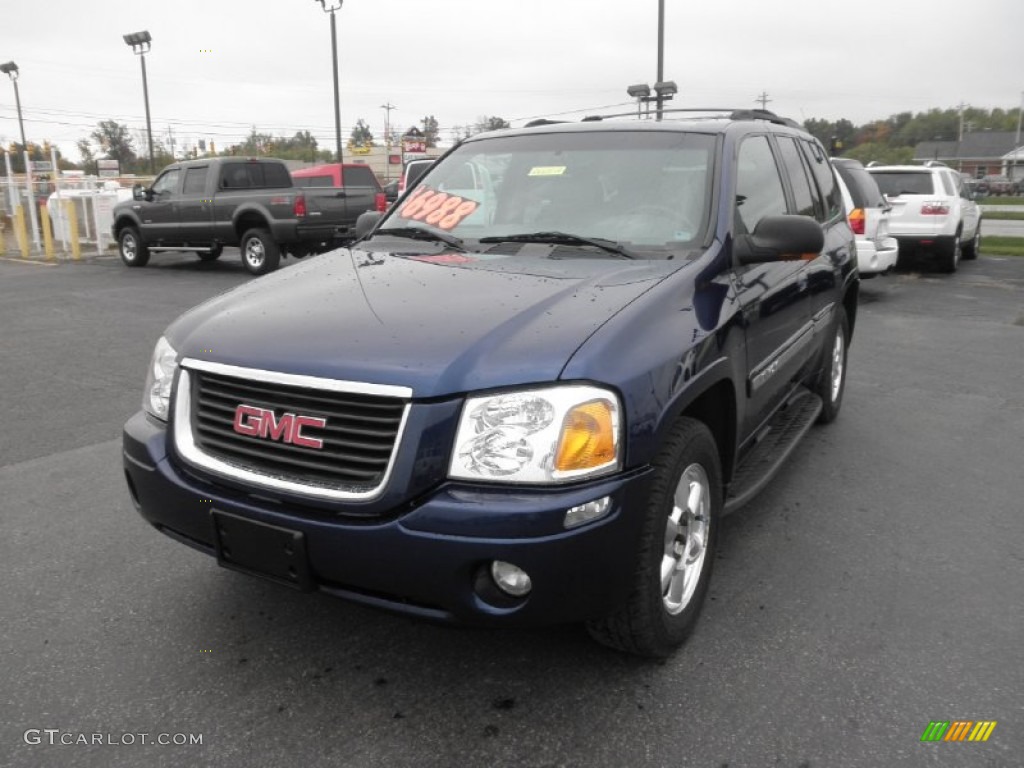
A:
933	212
868	211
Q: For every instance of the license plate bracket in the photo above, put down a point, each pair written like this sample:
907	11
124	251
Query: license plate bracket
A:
262	549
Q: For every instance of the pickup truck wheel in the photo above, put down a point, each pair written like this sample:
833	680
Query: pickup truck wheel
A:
211	255
260	254
972	249
133	252
832	380
677	548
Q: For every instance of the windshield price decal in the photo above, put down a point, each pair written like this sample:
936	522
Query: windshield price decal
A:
438	209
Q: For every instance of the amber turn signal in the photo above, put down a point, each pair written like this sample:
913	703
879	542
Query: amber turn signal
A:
588	437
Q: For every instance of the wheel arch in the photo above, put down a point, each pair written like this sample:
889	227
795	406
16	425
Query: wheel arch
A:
713	402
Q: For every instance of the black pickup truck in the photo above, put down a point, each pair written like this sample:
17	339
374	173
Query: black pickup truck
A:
530	391
205	205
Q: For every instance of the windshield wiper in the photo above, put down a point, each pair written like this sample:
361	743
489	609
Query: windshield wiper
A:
563	238
418	233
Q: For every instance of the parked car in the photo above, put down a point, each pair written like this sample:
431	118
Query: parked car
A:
867	210
997	185
412	172
933	213
519	403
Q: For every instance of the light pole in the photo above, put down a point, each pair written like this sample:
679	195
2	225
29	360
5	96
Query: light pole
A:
663	91
331	6
140	43
387	139
11	70
661	55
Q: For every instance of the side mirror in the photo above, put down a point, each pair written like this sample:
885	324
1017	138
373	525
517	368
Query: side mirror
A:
366	222
781	238
138	192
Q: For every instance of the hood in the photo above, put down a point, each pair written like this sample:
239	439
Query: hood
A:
437	323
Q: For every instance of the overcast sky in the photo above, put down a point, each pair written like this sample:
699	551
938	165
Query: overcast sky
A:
219	67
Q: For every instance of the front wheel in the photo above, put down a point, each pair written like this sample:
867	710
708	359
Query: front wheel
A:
832	379
677	548
260	254
133	252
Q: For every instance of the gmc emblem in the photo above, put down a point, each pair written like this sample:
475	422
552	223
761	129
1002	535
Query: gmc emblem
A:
260	422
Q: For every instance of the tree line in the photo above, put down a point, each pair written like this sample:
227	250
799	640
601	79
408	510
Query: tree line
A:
887	141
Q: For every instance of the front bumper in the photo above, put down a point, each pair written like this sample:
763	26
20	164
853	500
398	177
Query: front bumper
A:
429	558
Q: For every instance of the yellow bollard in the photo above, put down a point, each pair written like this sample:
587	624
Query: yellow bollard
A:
44	222
76	247
3	245
20	232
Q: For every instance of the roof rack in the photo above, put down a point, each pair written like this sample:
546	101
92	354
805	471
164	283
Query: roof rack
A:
728	113
935	164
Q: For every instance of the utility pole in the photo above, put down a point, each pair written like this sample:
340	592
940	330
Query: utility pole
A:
170	140
387	107
763	98
661	56
960	107
1016	143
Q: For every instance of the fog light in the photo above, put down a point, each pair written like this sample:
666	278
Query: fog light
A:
511	579
584	513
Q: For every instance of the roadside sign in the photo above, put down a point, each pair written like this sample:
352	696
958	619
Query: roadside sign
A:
41	165
108	169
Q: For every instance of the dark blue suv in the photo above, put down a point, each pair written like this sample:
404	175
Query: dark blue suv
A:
530	391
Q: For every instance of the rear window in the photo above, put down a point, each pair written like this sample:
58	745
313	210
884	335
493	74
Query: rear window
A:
862	185
414	171
360	177
896	183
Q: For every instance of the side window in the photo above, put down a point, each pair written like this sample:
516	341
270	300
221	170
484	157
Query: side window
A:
195	181
167	183
234	176
825	176
759	190
805	203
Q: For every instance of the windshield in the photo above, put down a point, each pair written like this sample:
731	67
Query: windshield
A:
646	190
896	183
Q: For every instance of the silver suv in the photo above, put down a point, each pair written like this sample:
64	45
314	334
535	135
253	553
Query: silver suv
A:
932	212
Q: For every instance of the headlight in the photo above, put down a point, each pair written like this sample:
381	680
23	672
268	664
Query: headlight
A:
538	435
156	398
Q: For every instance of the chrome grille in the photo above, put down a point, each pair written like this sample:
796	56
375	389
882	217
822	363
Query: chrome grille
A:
359	438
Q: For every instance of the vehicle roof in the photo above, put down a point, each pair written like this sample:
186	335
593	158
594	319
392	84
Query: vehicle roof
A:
714	125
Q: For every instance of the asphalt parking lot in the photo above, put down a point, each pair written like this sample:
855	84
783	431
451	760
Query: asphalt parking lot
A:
875	586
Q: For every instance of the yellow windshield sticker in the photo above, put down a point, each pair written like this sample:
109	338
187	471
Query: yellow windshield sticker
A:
547	170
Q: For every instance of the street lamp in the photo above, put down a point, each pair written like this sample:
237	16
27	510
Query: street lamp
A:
11	70
663	91
330	6
140	43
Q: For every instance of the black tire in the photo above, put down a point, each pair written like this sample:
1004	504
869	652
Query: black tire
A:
260	254
133	251
652	622
949	258
211	255
833	367
973	248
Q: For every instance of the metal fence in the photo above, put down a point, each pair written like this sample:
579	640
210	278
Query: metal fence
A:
59	215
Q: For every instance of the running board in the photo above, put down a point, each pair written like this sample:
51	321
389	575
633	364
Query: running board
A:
776	442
